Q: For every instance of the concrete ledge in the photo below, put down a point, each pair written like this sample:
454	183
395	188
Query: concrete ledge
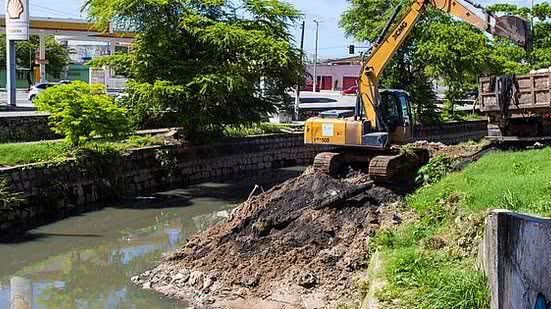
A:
516	255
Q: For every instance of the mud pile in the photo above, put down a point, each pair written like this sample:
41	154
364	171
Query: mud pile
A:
295	246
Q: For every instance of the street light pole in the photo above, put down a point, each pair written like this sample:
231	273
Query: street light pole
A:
318	22
297	94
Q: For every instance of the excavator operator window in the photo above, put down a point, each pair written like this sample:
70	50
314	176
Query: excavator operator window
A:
405	108
390	105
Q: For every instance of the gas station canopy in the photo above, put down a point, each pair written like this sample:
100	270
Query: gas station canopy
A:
76	29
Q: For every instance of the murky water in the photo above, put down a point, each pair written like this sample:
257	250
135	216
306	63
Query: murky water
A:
86	261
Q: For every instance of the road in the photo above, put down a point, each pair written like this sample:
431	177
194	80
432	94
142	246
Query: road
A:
22	102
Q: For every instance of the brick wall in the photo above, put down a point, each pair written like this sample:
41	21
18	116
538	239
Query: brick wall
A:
55	189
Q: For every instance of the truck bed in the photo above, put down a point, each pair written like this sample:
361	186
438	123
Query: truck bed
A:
535	94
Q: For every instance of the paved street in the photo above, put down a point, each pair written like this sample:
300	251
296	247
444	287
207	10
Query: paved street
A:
22	101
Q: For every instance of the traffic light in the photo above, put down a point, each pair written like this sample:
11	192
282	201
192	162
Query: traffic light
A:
351	49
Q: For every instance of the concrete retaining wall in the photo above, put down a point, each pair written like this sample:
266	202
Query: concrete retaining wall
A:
516	255
58	187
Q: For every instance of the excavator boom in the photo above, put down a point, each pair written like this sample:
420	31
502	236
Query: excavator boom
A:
513	28
382	118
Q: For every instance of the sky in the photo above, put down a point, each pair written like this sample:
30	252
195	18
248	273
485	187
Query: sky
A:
332	40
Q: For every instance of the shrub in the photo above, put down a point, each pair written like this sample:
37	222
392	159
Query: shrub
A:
80	111
435	170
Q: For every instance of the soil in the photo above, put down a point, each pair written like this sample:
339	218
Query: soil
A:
459	151
303	244
298	245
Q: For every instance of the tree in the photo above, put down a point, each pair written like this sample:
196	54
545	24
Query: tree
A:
56	53
212	62
364	20
439	48
80	111
540	55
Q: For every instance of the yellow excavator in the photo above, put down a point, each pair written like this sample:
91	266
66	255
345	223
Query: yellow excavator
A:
382	120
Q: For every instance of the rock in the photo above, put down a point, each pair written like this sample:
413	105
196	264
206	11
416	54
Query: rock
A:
147	286
208	282
308	280
396	219
196	279
249	281
136	279
182	276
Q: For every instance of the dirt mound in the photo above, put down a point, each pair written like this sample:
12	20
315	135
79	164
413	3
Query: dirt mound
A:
452	151
295	246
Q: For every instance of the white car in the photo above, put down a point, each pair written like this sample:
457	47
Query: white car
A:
38	88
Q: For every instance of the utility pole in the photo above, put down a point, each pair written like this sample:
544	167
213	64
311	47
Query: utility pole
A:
318	22
297	95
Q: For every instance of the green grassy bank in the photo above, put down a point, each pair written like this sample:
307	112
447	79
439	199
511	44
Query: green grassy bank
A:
26	153
430	260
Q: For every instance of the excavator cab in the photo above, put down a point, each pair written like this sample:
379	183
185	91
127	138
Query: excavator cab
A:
396	110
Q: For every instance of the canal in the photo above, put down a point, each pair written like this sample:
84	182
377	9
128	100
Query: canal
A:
87	261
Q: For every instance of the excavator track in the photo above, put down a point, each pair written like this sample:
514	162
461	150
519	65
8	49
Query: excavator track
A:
400	167
328	163
395	166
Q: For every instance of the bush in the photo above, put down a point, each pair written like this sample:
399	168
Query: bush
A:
80	111
435	170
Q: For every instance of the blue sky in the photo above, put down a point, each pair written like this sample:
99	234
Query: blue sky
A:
332	43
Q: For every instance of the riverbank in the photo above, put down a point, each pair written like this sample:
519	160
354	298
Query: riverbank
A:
54	189
86	260
303	244
434	260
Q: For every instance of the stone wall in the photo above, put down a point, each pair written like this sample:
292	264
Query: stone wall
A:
452	132
28	128
58	188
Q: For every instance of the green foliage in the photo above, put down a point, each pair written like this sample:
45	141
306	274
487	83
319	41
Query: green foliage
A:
8	199
253	129
430	262
437	168
212	63
516	180
539	57
80	111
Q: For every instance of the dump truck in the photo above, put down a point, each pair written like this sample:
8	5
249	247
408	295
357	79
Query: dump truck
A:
518	107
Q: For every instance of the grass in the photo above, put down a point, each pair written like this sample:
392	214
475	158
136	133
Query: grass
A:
430	262
17	154
254	129
26	153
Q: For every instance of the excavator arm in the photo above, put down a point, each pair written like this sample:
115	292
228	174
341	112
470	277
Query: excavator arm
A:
510	27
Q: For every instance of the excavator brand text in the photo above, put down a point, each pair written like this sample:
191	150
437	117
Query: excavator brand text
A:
399	30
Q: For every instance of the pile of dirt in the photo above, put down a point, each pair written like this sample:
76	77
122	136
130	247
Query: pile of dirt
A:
453	151
295	246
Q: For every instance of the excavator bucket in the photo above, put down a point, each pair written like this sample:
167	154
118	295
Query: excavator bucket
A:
514	28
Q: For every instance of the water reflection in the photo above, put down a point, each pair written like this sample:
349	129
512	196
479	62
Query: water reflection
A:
86	261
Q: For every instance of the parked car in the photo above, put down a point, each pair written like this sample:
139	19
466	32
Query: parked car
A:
38	88
351	90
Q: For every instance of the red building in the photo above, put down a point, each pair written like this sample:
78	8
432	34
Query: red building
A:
334	75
